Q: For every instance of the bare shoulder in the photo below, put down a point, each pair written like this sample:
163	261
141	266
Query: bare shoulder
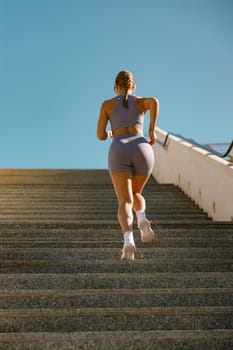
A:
140	104
109	105
145	103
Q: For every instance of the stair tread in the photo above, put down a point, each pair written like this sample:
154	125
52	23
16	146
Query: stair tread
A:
104	340
198	310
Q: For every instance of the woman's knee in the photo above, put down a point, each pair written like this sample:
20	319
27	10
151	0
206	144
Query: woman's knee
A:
126	202
137	194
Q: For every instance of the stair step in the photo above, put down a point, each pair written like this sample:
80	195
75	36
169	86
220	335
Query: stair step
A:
158	254
108	214
110	280
46	216
11	207
103	225
115	298
69	243
142	266
162	209
111	232
116	319
221	339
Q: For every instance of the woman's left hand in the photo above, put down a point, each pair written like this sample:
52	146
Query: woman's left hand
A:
153	137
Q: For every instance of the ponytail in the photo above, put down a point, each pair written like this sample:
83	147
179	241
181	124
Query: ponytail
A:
125	81
125	101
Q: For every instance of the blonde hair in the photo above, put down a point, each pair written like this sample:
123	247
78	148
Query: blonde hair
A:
125	81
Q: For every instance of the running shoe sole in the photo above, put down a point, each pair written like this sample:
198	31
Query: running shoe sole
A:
128	252
147	234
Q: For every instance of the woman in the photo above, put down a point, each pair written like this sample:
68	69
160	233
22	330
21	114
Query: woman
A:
130	158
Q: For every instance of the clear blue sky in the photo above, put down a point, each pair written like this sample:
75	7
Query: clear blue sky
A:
59	58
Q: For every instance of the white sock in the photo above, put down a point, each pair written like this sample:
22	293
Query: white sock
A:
128	237
141	216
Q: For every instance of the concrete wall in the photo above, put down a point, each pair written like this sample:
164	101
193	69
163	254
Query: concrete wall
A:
205	178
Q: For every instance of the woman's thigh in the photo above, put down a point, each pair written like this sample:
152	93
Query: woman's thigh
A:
122	183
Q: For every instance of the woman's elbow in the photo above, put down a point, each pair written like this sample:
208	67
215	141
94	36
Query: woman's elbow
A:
155	101
101	135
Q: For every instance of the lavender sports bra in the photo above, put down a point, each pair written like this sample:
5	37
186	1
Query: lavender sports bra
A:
124	118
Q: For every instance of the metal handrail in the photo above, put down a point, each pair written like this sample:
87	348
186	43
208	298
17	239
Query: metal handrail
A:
193	142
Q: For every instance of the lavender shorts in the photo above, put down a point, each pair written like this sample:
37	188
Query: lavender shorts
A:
131	153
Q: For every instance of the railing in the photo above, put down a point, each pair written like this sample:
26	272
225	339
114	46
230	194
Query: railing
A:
193	142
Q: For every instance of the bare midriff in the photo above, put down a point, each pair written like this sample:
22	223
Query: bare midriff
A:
128	130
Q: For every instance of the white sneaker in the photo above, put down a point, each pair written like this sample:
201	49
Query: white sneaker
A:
128	251
147	234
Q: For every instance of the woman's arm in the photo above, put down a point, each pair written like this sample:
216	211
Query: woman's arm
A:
152	104
102	134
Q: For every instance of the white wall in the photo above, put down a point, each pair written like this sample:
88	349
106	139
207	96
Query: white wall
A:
205	178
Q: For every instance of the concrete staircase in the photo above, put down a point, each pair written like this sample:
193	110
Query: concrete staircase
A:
63	285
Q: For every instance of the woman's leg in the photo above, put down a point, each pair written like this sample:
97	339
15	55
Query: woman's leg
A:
138	183
122	183
139	206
